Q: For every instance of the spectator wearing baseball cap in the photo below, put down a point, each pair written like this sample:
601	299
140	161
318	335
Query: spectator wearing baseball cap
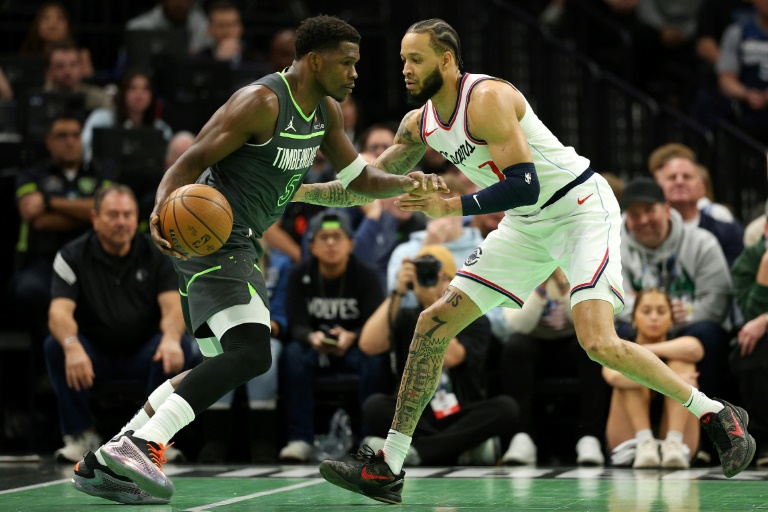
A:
658	251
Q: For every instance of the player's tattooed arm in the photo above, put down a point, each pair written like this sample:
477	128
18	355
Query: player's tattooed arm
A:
408	148
332	193
420	377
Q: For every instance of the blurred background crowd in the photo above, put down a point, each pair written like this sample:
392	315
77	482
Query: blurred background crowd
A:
669	100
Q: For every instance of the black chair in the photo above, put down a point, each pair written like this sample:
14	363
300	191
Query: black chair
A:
133	157
37	109
24	72
190	80
153	48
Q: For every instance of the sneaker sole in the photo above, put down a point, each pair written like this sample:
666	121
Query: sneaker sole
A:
132	495
751	445
338	480
155	485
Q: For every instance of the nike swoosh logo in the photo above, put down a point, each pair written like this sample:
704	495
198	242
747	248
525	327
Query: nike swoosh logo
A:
736	430
581	201
474	196
427	134
368	476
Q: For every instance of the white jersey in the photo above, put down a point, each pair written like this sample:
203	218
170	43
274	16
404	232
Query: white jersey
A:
556	165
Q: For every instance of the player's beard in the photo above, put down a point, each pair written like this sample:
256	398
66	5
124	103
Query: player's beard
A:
432	83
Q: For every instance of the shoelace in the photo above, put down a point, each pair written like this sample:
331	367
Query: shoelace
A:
365	453
158	454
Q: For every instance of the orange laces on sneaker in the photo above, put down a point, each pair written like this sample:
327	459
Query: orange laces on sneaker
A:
158	454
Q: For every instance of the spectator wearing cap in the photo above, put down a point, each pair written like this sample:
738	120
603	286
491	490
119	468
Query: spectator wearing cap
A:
461	425
329	298
543	345
658	251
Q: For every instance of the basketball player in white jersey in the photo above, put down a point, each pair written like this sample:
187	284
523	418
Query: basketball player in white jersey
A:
559	213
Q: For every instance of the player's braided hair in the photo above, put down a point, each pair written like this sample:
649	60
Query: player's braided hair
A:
323	33
444	37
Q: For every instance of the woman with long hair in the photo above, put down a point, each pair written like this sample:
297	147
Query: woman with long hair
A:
629	418
52	25
135	106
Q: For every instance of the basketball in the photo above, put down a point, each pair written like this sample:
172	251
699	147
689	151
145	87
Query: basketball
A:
196	219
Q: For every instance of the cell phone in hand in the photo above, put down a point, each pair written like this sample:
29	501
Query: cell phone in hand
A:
330	341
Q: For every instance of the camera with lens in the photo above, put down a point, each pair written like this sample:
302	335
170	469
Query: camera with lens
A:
427	268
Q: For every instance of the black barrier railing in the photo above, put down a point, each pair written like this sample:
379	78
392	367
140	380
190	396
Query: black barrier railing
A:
609	120
740	171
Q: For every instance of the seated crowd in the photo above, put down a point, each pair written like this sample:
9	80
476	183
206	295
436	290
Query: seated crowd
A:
347	286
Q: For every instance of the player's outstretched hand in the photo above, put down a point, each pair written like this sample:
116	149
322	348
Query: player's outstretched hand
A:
427	184
433	205
160	242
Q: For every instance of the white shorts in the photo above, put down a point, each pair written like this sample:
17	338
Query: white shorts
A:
578	233
254	312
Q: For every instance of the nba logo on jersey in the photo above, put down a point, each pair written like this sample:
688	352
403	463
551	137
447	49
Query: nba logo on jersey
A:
528	178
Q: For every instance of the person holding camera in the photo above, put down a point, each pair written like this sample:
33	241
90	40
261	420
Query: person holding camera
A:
462	418
329	297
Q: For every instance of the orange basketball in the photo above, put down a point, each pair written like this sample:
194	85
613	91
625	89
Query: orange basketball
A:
196	219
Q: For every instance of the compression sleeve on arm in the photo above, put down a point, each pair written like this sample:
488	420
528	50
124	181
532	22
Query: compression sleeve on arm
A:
352	171
520	187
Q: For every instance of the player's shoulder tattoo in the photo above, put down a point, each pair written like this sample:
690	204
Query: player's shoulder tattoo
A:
404	133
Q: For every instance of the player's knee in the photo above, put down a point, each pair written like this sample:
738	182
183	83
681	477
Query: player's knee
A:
251	344
605	349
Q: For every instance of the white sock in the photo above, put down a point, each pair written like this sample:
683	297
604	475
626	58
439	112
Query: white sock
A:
642	435
699	404
156	399
395	449
160	395
139	420
172	416
674	434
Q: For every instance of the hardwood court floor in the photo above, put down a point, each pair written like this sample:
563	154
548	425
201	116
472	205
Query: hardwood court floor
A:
46	487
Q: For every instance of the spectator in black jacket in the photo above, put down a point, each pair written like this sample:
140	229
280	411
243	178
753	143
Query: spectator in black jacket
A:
329	298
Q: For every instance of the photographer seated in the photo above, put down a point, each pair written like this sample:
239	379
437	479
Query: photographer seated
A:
462	420
329	297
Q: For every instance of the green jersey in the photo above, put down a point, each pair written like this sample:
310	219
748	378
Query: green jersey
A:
259	180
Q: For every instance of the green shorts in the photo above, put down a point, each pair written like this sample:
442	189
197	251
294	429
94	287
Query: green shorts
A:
226	278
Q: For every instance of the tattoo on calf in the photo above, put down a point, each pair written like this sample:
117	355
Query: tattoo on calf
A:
420	378
438	324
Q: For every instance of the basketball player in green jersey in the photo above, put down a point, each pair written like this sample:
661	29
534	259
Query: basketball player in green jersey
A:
255	150
558	213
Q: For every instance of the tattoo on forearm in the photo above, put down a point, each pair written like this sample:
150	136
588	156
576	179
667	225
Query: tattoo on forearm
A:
420	378
332	194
